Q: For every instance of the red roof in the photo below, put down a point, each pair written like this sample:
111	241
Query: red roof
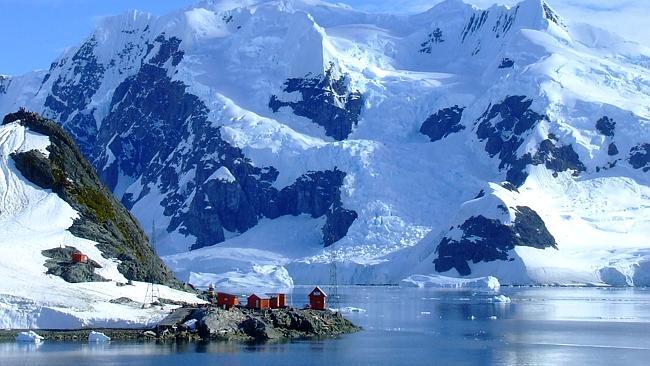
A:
226	294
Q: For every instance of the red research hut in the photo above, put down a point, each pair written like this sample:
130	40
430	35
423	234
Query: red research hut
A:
278	301
258	302
79	257
227	301
317	299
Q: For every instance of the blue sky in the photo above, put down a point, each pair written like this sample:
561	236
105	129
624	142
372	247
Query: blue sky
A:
34	32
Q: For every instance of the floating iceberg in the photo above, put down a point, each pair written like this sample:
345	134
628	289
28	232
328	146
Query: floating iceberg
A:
501	299
30	337
437	281
98	337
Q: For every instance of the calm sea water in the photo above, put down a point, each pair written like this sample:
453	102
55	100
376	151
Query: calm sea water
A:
542	326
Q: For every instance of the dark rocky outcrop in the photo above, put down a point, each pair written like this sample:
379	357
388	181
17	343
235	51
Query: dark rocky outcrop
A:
228	204
505	126
487	240
337	224
506	63
101	217
433	38
475	23
640	157
326	100
60	264
612	150
606	126
558	158
509	186
443	123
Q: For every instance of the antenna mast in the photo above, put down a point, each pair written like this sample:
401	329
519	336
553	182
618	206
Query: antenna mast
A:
153	293
334	281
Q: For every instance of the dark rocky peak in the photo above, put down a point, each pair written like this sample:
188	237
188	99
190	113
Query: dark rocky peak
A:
551	15
102	218
79	78
327	100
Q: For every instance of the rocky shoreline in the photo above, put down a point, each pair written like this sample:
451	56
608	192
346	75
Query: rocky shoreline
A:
217	324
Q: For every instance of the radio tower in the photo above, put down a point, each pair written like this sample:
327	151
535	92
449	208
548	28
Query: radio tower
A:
153	293
334	281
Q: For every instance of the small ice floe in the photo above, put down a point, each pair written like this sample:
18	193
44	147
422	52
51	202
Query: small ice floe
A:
349	310
501	299
191	325
98	337
29	337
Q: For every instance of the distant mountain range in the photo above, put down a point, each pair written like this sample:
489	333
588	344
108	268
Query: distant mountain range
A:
269	140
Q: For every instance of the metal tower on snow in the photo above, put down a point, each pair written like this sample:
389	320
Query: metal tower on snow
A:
153	293
333	297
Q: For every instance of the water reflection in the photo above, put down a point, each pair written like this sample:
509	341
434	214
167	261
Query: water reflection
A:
541	326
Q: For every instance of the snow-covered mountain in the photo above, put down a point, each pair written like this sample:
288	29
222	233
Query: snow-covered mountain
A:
269	139
53	205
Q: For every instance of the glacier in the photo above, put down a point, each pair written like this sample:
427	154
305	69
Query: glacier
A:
270	139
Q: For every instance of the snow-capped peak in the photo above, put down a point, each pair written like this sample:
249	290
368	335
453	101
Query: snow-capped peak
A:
273	129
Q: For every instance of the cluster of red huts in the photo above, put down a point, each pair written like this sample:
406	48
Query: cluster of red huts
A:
317	300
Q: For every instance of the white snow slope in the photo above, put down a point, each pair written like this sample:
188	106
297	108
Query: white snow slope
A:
407	190
33	220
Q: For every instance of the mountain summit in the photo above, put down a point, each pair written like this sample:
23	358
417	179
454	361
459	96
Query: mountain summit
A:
269	139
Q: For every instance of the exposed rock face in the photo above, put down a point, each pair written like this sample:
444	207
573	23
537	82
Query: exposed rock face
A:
443	123
315	193
61	264
74	93
326	100
640	157
101	218
487	240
